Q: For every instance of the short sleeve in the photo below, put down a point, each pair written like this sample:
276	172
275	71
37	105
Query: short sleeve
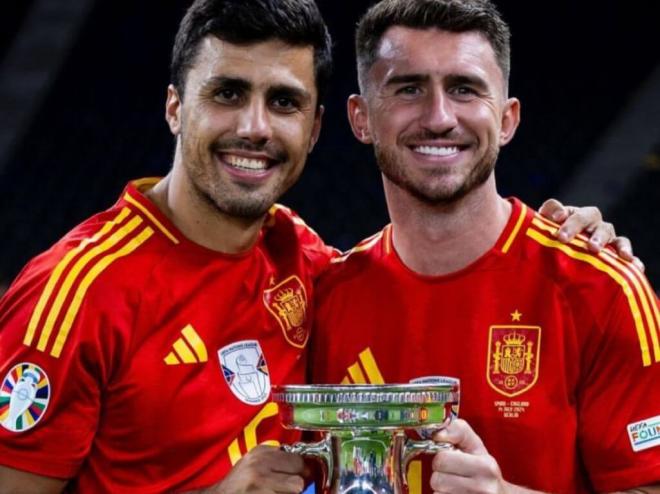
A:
52	371
619	402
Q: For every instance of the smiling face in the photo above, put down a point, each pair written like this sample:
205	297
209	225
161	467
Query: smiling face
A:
436	111
245	124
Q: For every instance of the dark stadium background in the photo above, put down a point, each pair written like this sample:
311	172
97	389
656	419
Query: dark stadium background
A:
82	89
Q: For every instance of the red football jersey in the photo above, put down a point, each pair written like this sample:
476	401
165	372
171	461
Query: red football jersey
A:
137	361
556	350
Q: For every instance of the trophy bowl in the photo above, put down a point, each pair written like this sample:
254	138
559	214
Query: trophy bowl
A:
365	449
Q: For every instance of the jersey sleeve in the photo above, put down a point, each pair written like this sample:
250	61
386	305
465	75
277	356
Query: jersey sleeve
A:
54	361
619	403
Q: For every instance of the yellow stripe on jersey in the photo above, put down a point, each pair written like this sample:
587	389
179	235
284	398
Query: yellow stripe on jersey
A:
80	264
604	267
356	374
147	213
93	273
414	477
641	285
195	342
516	229
59	269
184	352
364	245
370	366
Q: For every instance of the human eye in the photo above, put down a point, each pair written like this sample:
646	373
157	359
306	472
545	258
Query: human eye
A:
409	91
227	95
464	92
285	104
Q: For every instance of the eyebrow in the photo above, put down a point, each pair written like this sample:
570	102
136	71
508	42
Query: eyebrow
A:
452	79
245	85
230	82
406	79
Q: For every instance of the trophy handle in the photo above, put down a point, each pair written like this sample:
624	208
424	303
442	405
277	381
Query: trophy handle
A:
321	450
412	448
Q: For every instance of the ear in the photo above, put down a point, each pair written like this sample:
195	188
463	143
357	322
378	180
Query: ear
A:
173	110
316	128
358	116
510	120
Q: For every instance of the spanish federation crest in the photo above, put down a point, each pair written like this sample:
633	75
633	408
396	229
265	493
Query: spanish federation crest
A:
246	372
287	301
513	358
24	396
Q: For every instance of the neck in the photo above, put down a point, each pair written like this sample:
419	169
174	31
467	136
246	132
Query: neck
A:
440	239
200	221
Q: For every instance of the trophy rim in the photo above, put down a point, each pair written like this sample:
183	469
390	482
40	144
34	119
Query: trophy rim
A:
401	393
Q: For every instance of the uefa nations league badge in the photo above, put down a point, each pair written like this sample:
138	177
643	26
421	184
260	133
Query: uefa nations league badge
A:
246	372
24	397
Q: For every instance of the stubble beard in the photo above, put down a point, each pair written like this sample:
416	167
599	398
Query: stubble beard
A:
243	201
394	169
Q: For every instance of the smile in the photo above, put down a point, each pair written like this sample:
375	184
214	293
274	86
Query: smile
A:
244	163
436	150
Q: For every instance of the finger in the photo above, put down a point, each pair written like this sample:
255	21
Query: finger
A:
554	210
274	459
639	264
441	482
449	483
461	464
602	235
460	434
283	483
582	220
288	463
623	247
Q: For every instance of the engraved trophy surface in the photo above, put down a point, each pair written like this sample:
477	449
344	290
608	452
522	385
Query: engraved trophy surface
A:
365	449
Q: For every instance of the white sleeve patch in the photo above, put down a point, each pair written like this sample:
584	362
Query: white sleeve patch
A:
644	434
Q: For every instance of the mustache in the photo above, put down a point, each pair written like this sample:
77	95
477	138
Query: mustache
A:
428	135
273	151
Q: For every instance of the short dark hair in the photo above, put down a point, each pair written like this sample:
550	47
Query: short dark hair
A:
296	22
449	15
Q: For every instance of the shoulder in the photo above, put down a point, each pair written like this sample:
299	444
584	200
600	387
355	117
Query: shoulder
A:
573	263
356	263
93	274
284	230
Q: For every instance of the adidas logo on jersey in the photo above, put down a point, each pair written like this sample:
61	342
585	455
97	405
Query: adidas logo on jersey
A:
188	349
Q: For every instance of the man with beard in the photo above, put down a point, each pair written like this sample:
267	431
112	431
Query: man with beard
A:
556	348
138	353
152	332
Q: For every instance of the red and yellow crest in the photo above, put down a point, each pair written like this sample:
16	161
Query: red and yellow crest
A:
513	358
287	301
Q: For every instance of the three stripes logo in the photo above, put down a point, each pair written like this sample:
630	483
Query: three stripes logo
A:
60	301
364	371
639	295
188	349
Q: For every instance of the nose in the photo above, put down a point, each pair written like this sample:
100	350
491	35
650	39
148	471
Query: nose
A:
254	122
439	116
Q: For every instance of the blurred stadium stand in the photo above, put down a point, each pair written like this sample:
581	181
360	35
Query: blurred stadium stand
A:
578	67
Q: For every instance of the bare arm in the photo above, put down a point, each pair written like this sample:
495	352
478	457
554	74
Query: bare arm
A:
14	481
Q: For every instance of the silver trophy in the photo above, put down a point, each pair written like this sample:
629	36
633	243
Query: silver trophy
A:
365	449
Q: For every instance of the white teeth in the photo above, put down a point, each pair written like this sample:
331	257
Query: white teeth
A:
246	163
436	151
